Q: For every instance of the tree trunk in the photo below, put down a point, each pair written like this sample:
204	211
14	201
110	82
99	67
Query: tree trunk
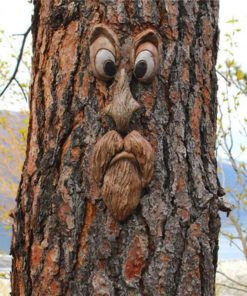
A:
65	240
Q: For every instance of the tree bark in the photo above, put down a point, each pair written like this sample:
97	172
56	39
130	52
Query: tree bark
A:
65	241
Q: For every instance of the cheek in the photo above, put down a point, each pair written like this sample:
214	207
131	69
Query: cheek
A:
121	189
148	99
144	93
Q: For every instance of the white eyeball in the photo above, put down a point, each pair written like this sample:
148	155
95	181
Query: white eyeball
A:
146	61
105	64
144	66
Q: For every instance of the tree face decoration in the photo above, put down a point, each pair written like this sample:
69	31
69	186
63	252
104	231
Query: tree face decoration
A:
122	160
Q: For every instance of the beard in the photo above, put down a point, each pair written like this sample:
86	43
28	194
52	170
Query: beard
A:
122	167
121	188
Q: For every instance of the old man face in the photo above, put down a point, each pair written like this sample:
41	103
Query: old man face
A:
123	160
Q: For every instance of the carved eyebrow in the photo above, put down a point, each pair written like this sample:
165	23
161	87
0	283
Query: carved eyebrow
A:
103	30
148	35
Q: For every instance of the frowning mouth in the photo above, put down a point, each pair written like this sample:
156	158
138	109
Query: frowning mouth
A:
124	155
121	167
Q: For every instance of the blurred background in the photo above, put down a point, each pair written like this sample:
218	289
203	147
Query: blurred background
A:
15	56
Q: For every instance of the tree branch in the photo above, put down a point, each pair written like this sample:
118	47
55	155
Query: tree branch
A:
13	77
229	287
20	86
231	82
232	280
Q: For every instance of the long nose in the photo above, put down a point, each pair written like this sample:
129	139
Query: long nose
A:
123	104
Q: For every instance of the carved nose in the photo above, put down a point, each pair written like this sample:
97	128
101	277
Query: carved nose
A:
123	104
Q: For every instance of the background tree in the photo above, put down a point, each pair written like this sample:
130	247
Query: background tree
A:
232	100
14	82
231	147
65	242
13	127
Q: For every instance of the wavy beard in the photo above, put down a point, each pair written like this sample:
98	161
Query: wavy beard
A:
122	198
122	167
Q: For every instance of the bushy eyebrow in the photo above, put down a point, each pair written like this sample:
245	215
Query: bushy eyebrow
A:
103	30
148	35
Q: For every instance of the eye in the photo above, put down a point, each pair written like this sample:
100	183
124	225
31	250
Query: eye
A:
144	65
104	54
146	62
105	64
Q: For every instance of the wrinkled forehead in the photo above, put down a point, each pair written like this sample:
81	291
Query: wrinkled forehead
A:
127	16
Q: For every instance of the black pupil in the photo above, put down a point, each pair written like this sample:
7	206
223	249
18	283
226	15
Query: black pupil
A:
109	68
140	69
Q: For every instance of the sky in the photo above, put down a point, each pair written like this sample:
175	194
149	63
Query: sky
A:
17	20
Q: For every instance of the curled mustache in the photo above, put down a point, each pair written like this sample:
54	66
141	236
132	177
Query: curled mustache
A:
121	167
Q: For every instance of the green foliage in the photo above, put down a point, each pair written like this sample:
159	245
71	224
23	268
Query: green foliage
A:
3	275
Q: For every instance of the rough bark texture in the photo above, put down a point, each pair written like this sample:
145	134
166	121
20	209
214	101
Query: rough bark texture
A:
65	242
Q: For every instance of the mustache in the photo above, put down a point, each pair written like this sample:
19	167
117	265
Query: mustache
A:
112	147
